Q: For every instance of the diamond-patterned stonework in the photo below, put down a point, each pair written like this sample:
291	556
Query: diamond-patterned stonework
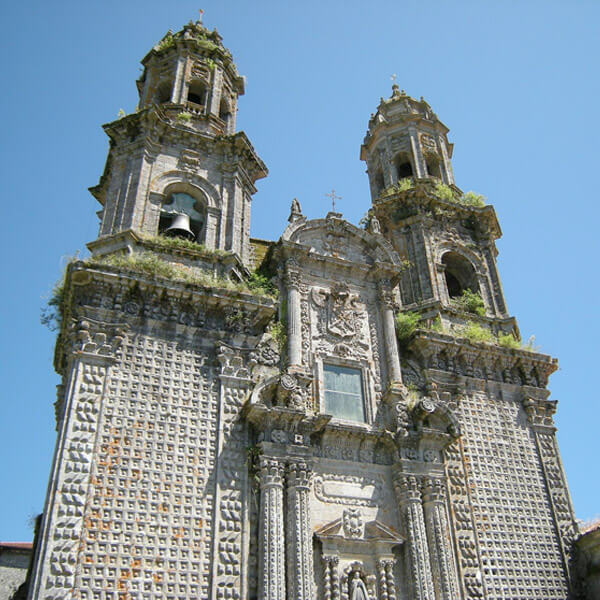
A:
520	552
148	519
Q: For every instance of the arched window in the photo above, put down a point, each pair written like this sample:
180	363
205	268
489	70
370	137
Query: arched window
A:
460	274
183	216
163	92
403	166
197	93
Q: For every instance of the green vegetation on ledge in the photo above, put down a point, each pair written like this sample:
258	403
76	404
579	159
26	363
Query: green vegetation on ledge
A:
150	264
406	324
470	302
445	192
177	243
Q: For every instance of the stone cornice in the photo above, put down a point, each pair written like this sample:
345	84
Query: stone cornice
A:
155	123
493	359
424	206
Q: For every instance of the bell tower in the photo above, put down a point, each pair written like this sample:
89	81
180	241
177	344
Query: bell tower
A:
177	165
446	238
405	139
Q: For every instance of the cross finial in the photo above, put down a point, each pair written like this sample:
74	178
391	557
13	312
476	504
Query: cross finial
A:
333	197
393	77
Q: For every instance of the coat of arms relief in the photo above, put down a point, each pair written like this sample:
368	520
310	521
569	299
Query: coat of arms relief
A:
339	323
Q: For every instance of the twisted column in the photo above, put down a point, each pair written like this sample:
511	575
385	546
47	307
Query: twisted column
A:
385	575
409	497
271	546
331	580
389	331
299	534
292	279
438	534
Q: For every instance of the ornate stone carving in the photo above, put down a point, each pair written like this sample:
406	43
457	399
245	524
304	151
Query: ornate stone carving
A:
353	523
272	581
409	497
300	554
349	490
339	322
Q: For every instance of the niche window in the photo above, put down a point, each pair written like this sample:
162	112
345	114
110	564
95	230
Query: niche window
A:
433	166
460	274
182	216
343	392
224	111
403	166
163	93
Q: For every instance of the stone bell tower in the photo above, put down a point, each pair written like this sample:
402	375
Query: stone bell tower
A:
179	152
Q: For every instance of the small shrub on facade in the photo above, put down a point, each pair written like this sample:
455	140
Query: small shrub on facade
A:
406	323
471	302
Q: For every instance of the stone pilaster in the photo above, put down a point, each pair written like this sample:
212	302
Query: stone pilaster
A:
331	578
409	497
271	548
438	534
299	532
294	316
389	331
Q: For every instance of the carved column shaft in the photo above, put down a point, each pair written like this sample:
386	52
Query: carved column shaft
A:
385	575
271	532
299	533
389	333
331	581
438	534
409	496
294	318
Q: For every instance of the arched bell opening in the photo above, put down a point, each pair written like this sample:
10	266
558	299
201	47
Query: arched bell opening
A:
460	275
183	216
404	166
197	93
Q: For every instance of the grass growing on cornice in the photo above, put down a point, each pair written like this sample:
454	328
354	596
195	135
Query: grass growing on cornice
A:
176	243
474	332
446	193
152	265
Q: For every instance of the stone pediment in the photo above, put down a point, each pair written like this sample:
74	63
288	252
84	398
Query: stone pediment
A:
338	239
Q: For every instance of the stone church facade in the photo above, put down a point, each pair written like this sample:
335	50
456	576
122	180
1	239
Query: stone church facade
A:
225	439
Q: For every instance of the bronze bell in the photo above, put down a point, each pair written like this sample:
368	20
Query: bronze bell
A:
180	227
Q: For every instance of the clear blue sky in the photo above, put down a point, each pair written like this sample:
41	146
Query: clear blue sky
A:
516	82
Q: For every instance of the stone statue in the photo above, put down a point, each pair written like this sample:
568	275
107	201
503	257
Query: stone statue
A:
358	591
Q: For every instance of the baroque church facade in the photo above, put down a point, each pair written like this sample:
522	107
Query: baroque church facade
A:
241	419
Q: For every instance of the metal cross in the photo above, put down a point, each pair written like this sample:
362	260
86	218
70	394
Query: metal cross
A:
393	77
333	197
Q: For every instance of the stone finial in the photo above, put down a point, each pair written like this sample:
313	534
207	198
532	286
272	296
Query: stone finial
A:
295	211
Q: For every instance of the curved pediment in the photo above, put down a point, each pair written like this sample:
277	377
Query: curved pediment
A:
336	238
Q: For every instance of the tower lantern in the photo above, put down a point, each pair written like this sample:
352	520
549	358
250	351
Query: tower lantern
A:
405	138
